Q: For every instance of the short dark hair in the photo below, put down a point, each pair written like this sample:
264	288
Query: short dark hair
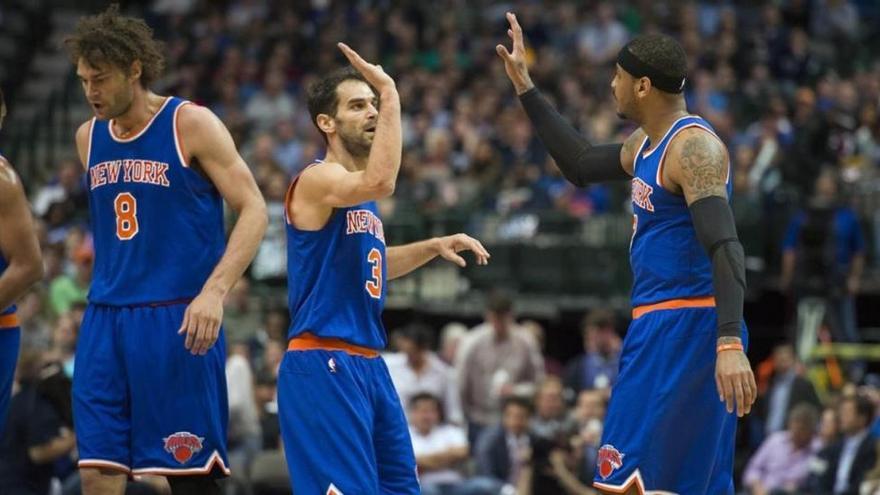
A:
662	53
864	407
415	399
599	317
499	303
322	96
804	413
517	401
420	334
117	40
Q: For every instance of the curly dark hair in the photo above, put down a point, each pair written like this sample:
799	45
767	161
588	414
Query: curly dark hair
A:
117	40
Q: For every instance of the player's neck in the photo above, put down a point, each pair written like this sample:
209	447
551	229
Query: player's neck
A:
338	154
660	121
144	106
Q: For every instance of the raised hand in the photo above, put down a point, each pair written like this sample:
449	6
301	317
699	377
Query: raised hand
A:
448	248
515	60
374	74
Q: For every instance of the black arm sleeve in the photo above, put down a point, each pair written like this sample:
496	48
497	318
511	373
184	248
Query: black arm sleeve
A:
716	230
580	162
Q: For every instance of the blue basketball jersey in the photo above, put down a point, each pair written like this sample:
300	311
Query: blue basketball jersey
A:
667	260
157	223
336	276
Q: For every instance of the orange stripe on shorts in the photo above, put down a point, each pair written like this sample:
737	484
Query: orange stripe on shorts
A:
310	342
693	302
9	321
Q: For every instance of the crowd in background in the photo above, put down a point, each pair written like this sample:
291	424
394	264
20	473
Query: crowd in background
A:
793	88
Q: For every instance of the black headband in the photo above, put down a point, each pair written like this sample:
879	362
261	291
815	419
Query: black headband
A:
637	68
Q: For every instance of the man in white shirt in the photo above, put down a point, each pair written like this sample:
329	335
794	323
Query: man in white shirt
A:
439	448
417	369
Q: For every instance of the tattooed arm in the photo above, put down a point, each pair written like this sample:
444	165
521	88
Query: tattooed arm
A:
697	167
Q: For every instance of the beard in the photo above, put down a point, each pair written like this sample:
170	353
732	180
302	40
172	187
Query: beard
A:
357	145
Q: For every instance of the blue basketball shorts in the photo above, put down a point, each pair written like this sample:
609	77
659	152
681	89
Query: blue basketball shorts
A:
666	430
10	339
342	425
142	404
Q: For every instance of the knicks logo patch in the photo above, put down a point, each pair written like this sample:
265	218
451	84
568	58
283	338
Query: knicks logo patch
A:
332	490
183	445
609	460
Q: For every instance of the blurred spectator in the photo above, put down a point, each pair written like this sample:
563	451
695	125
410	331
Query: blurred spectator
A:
597	367
270	105
550	420
499	360
416	369
67	190
841	467
270	264
241	314
809	150
787	389
601	39
440	448
781	464
66	290
589	415
823	262
63	344
35	435
504	450
244	435
828	426
450	338
551	365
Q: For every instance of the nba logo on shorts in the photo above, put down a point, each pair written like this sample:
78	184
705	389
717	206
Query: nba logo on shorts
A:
608	460
183	445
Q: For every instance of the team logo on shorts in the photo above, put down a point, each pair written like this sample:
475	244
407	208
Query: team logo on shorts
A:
183	445
332	490
608	460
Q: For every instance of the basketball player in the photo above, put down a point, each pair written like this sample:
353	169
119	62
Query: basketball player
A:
149	388
343	427
666	429
20	267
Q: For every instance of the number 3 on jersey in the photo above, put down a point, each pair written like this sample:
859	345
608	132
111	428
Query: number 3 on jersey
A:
374	285
125	207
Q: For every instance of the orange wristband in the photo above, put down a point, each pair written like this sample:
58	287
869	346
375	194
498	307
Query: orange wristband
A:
729	347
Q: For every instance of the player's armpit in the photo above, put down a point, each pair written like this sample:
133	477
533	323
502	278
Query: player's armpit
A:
630	148
696	163
333	186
